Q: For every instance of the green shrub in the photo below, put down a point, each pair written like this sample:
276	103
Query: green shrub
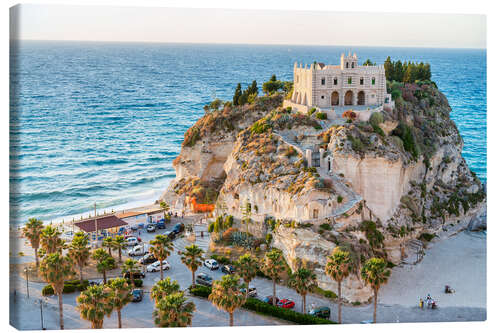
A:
376	118
375	237
47	290
260	126
288	109
311	111
290	152
356	143
285	314
340	199
321	115
200	291
221	259
326	226
269	238
356	303
325	293
138	282
69	288
426	236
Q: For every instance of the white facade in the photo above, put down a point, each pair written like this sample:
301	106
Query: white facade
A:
327	86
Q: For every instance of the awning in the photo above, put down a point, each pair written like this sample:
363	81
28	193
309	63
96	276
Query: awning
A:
103	222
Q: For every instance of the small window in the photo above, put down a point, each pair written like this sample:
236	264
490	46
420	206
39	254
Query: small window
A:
373	80
361	81
315	213
349	80
352	65
335	81
346	65
323	81
322	97
297	79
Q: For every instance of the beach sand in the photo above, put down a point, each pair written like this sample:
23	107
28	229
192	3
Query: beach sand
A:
458	261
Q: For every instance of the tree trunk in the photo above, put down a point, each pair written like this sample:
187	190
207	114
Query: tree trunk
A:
339	301
119	312
274	292
104	276
304	303
109	250
231	319
81	274
61	320
161	270
36	257
192	276
120	254
375	307
132	280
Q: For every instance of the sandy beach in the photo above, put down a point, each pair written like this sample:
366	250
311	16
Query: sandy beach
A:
458	261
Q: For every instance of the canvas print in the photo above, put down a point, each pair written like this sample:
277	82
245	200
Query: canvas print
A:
254	168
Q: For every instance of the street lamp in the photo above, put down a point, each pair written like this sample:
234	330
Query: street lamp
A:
26	271
41	301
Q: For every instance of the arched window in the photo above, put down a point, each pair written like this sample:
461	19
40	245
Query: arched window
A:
373	80
349	80
361	81
323	81
346	65
335	81
352	65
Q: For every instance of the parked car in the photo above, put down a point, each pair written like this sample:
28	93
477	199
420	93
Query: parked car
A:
139	250
151	227
134	227
211	264
160	224
252	291
132	241
170	234
137	295
136	275
178	228
228	269
130	236
321	312
204	280
147	259
286	303
269	300
155	267
95	282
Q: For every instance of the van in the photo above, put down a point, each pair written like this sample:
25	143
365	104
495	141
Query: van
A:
139	250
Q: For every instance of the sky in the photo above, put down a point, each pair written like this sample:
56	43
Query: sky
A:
236	26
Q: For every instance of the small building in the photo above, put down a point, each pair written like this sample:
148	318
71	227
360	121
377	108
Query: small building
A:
104	224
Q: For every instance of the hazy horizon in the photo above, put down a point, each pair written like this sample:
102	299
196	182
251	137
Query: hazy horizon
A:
247	27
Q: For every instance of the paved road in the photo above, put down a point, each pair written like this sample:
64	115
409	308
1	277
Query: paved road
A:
27	314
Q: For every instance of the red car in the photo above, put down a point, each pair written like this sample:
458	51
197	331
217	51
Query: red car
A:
286	303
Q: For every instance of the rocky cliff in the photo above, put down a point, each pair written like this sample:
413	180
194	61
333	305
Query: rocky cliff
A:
398	177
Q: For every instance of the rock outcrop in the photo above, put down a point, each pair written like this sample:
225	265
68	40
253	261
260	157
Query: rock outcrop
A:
398	177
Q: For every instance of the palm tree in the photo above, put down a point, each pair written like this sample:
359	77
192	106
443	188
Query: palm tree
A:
50	240
272	266
79	251
108	243
161	249
94	303
104	261
375	273
165	208
120	244
247	267
303	281
226	295
55	269
32	231
120	296
130	266
163	288
174	311
192	257
338	266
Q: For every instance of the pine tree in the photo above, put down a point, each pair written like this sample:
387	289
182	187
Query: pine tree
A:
237	94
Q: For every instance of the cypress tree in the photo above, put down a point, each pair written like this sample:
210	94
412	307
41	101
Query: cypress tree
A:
237	94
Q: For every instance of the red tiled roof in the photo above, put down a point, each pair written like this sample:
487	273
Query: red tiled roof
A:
103	222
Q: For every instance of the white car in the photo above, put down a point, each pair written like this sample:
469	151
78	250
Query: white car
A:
211	264
132	241
139	250
155	267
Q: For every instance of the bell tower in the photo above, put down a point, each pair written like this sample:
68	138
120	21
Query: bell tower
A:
351	61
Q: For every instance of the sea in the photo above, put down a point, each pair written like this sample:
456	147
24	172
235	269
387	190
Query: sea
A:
100	122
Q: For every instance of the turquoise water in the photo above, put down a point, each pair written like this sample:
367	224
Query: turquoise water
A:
102	122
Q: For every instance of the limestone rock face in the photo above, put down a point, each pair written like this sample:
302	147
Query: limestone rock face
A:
384	184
